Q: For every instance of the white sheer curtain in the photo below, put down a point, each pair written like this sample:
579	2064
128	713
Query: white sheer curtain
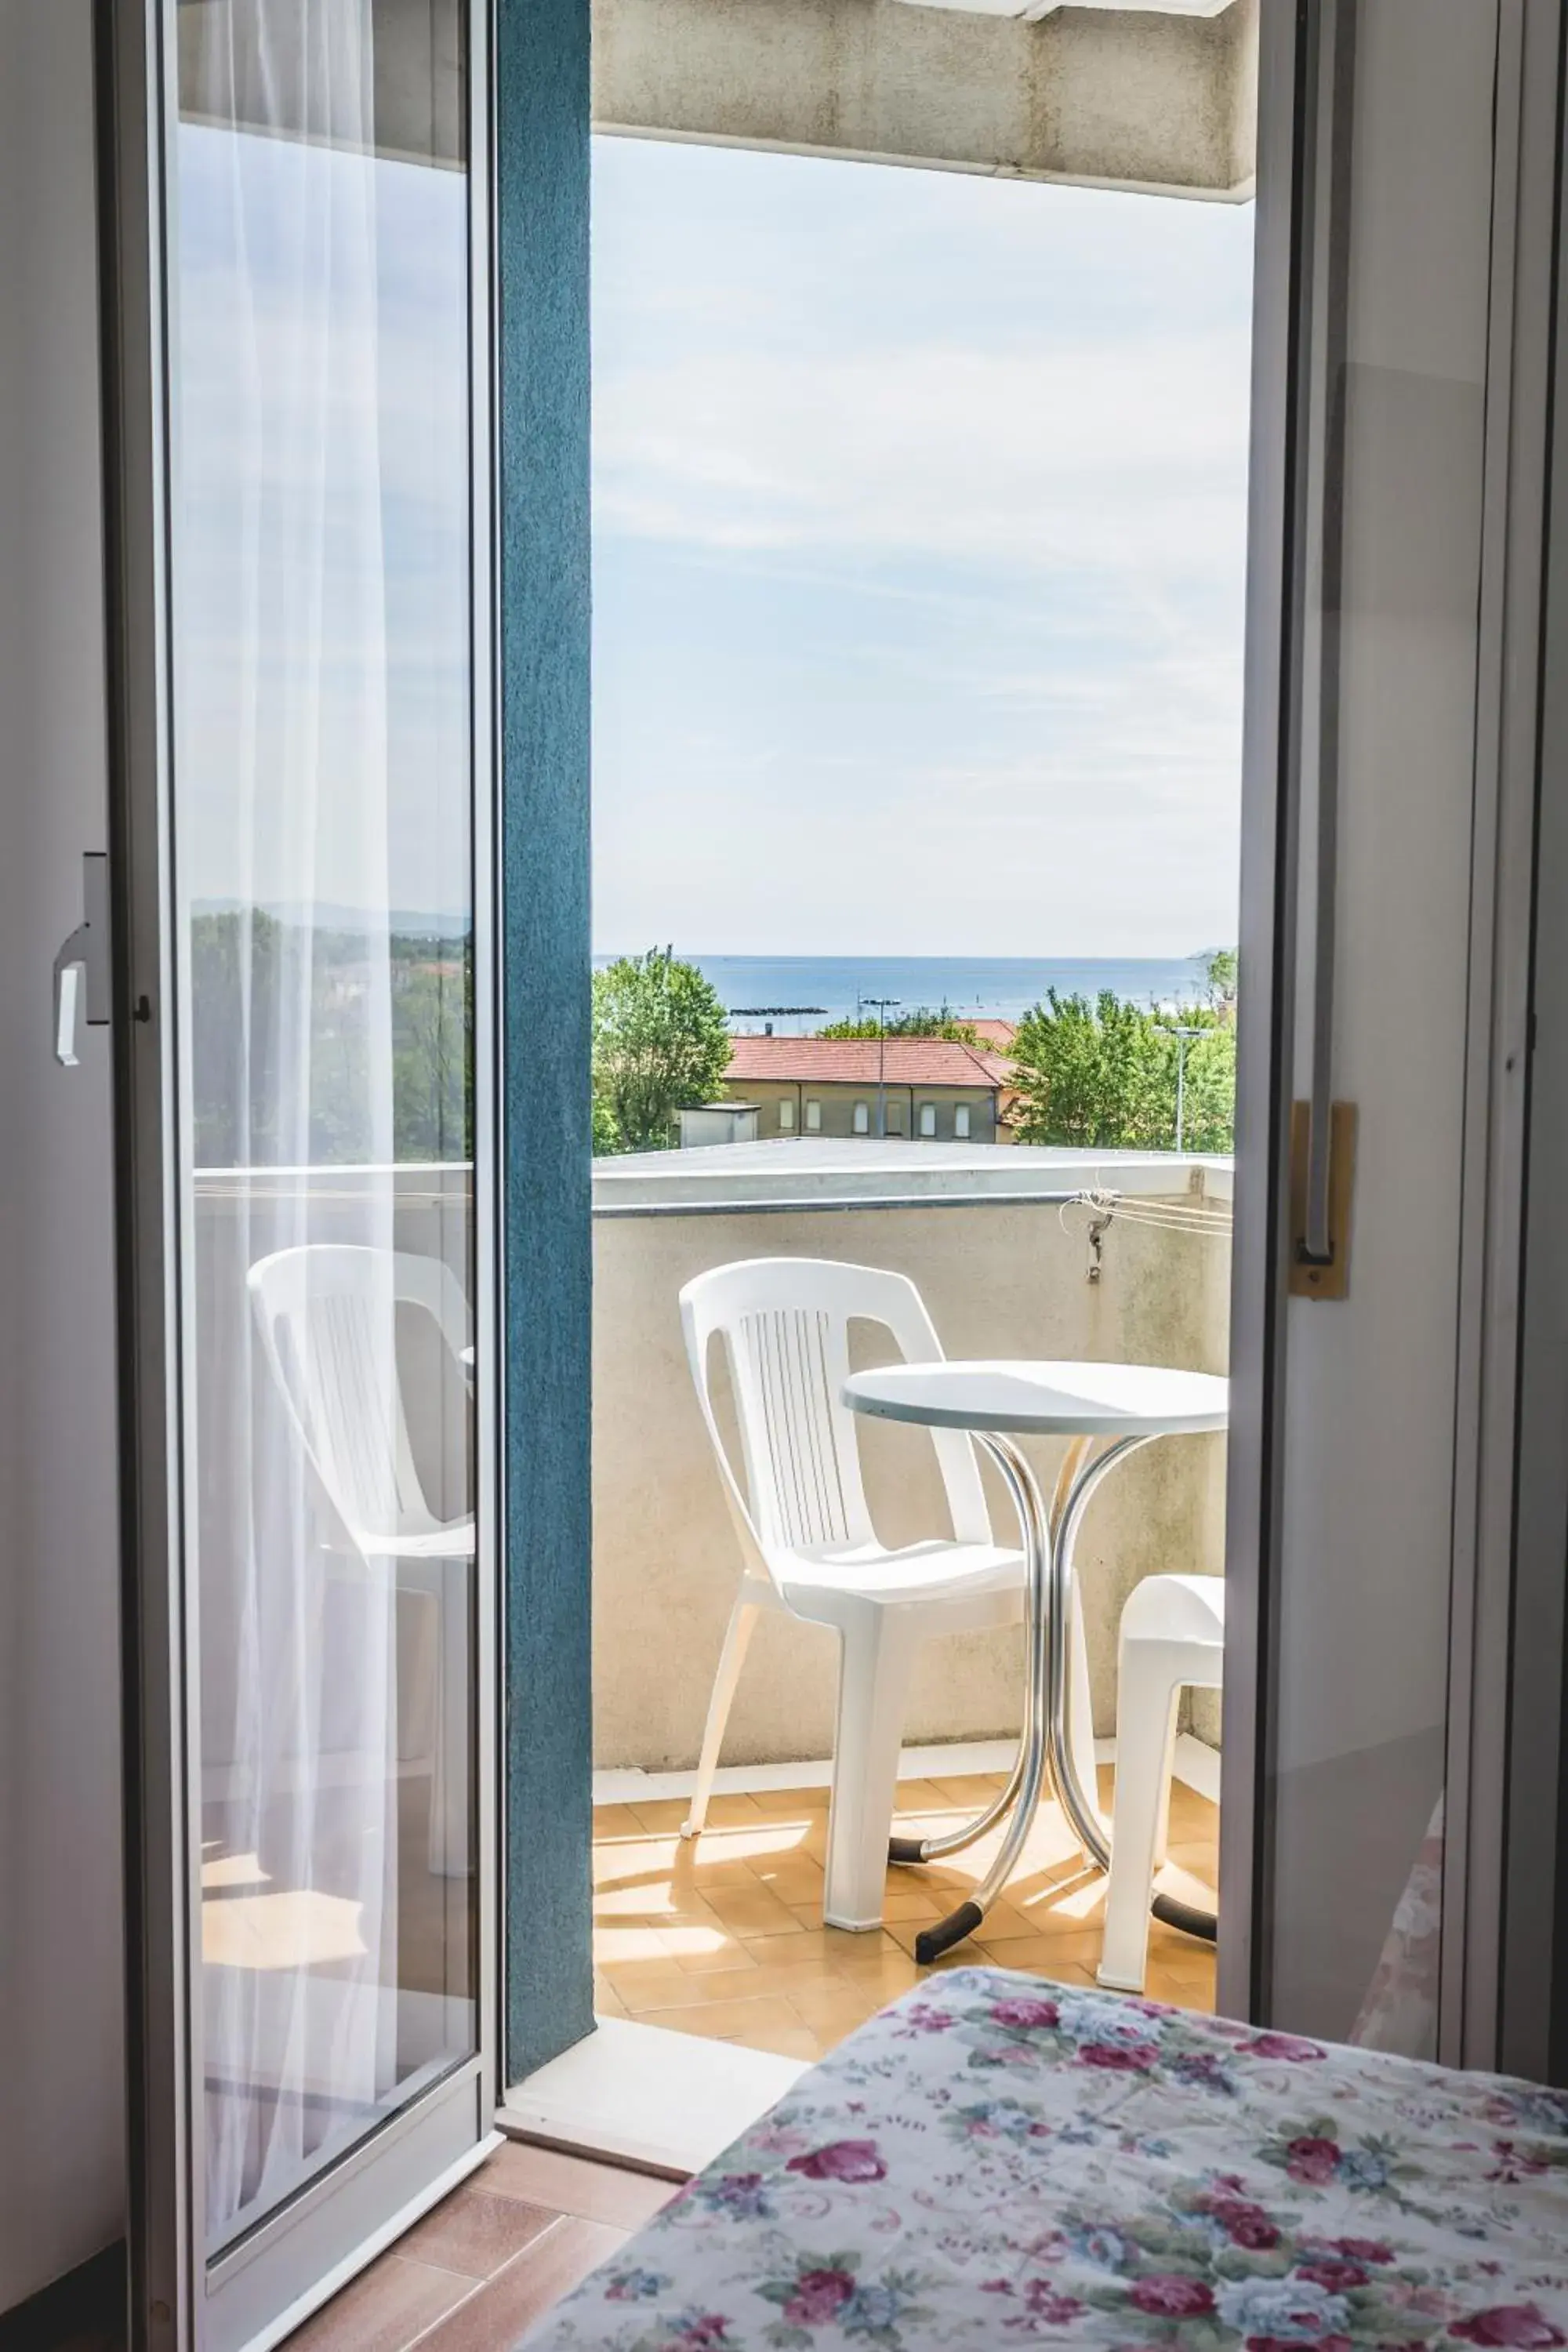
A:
281	844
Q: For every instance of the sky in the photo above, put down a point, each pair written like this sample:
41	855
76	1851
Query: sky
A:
918	560
918	551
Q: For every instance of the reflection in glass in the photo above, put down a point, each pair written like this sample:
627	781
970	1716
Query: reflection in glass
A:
323	854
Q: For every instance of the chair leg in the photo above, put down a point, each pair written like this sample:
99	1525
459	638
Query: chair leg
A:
1080	1704
1149	1683
731	1658
875	1665
1167	1774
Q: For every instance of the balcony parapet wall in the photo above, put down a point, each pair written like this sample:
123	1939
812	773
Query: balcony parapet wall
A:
1005	1272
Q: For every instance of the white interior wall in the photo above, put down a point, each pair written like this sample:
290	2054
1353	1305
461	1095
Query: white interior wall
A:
1371	1381
62	2035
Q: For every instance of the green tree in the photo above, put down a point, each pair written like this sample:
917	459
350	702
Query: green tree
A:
661	1042
432	1030
1221	973
1093	1076
607	1134
1103	1077
1208	1105
921	1022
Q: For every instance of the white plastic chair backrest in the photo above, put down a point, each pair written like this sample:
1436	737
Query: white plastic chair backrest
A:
784	1325
326	1317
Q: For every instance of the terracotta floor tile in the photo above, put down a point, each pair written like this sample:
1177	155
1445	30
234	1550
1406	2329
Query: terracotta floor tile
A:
833	1945
921	1902
673	1987
661	1816
729	1954
831	2010
698	1867
666	1815
755	1913
627	1865
764	1833
615	1821
968	1792
784	2041
783	1974
590	2192
617	1947
690	1931
383	2309
1036	1956
904	1931
1081	1949
798	1803
918	1797
727	2021
884	1980
497	2314
475	2230
655	1897
793	1878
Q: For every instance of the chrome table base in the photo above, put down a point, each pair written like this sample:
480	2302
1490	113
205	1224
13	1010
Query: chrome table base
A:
1045	1753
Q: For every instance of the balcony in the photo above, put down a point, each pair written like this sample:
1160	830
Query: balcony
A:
724	1938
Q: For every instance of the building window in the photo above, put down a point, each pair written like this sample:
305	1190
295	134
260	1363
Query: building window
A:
895	1118
786	1118
961	1122
862	1119
814	1118
928	1119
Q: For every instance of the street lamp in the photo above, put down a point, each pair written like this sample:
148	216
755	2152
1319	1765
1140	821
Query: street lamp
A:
882	1006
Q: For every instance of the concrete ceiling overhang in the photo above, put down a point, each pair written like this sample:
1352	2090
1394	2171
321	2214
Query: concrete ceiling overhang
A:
1162	98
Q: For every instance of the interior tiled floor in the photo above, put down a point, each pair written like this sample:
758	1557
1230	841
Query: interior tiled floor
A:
723	1939
491	2258
724	1936
477	2273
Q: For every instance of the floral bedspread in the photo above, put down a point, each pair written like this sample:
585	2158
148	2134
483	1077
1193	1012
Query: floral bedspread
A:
998	2161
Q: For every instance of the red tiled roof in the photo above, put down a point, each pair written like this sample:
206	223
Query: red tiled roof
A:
997	1034
853	1061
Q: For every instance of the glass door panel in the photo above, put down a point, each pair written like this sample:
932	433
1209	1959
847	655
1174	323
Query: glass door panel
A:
326	816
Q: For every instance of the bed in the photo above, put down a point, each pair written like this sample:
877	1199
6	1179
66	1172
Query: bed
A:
996	2160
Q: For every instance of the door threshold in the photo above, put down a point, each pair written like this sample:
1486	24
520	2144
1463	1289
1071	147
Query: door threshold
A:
647	2098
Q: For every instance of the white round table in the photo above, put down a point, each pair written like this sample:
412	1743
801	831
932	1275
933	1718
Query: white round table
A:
1107	1410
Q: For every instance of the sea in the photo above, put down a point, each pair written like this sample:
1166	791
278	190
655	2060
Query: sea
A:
798	993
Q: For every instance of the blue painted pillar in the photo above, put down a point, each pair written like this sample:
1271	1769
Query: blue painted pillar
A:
542	255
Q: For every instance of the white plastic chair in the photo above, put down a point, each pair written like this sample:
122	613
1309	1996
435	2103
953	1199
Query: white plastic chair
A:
1171	1640
324	1315
807	1543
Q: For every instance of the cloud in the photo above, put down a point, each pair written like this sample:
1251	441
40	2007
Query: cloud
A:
1085	459
921	515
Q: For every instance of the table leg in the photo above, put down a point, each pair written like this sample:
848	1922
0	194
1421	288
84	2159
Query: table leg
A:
1044	1748
1021	1485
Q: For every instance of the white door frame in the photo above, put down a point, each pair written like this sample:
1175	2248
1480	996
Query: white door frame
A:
1509	1497
265	2284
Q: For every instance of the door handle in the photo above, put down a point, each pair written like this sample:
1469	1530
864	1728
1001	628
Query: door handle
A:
81	967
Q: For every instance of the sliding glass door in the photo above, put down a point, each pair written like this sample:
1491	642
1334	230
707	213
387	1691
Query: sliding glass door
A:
307	829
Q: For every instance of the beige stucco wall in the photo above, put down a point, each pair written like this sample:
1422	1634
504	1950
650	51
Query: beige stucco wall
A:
1001	1278
838	1101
